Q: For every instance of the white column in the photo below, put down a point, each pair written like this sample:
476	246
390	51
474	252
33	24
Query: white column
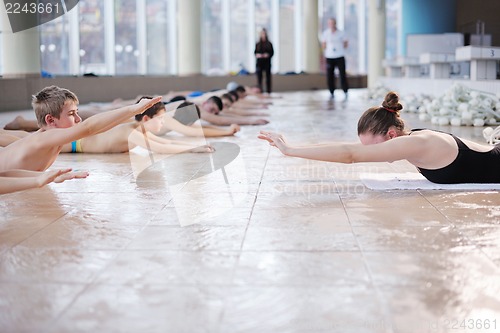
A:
311	45
74	40
376	40
20	50
189	40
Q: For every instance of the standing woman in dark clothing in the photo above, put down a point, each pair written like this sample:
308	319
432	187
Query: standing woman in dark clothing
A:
264	52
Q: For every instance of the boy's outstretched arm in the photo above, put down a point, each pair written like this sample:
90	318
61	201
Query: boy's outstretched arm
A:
19	180
226	121
97	124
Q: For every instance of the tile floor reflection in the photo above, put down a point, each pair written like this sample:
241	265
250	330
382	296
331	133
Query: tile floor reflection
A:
265	244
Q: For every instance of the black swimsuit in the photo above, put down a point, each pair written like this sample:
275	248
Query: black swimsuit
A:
470	166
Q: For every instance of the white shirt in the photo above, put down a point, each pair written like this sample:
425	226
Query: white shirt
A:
334	43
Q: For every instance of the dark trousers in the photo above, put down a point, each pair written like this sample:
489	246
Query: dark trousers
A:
330	73
264	69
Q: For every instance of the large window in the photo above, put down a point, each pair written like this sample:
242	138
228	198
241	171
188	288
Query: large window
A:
263	15
351	29
239	46
126	51
135	37
212	48
158	55
392	9
92	40
54	46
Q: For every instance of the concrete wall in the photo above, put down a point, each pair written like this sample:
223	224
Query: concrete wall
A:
15	93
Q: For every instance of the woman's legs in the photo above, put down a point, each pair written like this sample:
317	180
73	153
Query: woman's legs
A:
268	79
258	71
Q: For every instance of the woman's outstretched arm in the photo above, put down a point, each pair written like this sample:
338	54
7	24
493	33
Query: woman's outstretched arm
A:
400	148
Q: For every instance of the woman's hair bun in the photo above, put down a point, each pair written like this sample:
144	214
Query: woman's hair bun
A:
391	102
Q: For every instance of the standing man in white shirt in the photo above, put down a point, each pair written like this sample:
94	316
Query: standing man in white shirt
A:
333	43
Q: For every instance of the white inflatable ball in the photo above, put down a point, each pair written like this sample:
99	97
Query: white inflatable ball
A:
463	107
456	121
435	120
474	103
424	117
487	132
466	115
231	86
444	111
444	121
467	122
478	122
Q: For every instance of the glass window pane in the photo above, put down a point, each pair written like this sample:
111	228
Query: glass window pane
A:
351	26
329	10
54	41
263	16
92	57
286	38
157	25
212	62
392	8
126	52
239	35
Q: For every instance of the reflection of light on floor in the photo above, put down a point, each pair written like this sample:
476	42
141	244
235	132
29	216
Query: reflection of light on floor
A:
209	196
141	159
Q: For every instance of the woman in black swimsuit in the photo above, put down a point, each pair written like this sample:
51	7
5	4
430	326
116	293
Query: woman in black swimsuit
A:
440	157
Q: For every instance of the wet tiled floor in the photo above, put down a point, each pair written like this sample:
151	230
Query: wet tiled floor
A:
265	244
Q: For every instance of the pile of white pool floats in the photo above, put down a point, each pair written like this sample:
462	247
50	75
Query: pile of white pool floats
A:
458	106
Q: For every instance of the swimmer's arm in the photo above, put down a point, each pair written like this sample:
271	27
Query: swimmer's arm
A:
19	180
171	148
94	125
244	112
15	184
174	125
249	103
213	131
393	150
137	138
164	141
225	120
197	130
